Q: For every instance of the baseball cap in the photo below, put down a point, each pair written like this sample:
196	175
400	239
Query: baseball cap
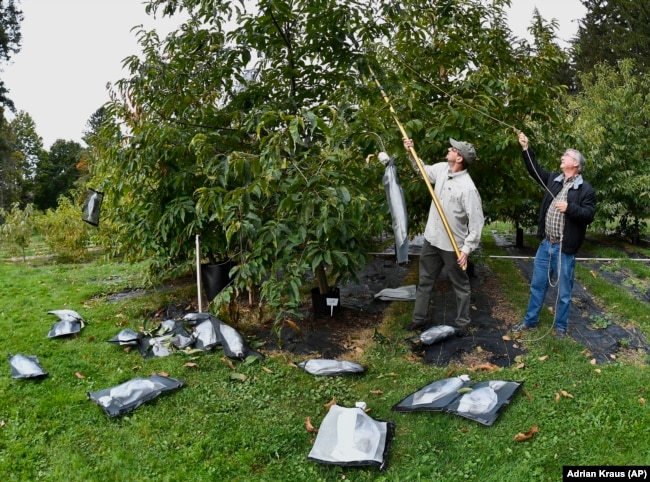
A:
466	150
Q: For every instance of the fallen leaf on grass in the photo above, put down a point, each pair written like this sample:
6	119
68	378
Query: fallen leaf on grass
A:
391	374
520	366
642	401
520	437
163	374
506	338
267	370
490	367
464	429
597	370
377	392
566	394
309	426
79	375
91	338
329	404
191	365
238	376
593	361
543	358
227	362
528	395
557	397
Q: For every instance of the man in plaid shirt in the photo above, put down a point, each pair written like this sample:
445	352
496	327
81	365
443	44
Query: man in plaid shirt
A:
568	207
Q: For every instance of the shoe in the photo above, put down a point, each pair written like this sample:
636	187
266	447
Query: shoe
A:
462	331
416	325
521	327
560	334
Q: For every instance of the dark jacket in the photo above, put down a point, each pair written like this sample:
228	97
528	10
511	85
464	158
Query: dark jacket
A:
581	200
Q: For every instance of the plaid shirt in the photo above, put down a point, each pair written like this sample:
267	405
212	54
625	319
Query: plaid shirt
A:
554	218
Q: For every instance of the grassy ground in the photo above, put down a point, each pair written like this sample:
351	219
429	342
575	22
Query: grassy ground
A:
251	426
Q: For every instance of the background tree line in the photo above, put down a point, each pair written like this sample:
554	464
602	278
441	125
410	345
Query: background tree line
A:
256	138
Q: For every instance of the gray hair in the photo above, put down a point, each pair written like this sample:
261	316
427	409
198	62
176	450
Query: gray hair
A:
580	158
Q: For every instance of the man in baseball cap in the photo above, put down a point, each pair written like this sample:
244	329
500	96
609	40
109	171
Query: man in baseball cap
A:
465	149
463	210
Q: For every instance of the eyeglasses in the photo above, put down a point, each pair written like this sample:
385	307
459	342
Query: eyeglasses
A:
566	154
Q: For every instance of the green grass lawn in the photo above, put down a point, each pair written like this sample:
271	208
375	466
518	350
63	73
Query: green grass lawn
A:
252	426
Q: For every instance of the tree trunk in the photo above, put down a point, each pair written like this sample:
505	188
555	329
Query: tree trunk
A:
321	277
519	237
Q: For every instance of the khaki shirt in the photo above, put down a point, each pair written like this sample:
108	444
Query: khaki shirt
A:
461	204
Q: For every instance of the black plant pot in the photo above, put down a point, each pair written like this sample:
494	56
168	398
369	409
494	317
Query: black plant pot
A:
327	304
215	277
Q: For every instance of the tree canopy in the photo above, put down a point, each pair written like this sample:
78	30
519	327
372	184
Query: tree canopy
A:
613	30
612	115
10	37
56	173
256	138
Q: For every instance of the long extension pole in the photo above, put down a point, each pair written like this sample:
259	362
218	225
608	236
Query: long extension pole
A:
420	165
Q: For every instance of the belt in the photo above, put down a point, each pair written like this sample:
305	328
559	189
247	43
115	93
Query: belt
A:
552	240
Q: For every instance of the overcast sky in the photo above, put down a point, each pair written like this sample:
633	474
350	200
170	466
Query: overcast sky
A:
72	48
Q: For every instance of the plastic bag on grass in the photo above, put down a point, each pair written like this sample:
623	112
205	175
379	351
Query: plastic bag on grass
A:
210	331
205	335
435	334
481	402
26	366
233	343
166	338
128	396
126	337
349	437
67	315
325	367
64	328
403	293
70	323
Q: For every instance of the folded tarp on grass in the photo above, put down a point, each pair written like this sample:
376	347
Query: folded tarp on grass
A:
325	367
26	366
128	396
481	402
349	437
